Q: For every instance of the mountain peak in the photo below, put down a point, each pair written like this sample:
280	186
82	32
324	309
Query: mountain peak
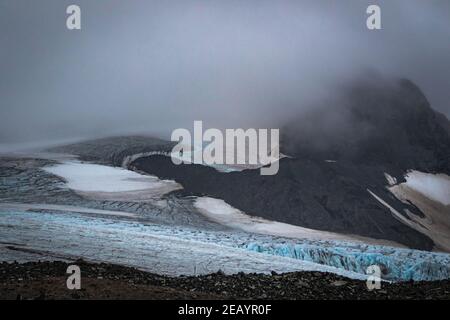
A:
375	122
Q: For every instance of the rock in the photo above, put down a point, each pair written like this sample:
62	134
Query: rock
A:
339	283
296	285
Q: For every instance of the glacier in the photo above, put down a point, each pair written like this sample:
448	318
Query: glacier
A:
69	233
326	248
397	264
62	235
44	217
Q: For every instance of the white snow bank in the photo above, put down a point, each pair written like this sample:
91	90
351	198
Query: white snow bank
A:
88	177
221	212
390	179
434	186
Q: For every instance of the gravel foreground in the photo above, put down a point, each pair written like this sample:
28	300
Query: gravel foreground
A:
47	280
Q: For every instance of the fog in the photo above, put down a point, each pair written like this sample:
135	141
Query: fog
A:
153	66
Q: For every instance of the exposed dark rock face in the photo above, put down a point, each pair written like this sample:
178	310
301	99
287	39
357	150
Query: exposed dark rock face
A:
377	128
326	196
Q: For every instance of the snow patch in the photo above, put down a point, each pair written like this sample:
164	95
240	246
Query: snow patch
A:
434	186
221	212
390	179
86	177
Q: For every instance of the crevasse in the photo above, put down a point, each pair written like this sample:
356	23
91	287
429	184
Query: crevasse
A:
396	264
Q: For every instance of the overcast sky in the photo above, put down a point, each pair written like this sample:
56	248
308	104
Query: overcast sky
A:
153	66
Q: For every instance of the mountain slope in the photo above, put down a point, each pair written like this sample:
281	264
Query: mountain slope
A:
340	158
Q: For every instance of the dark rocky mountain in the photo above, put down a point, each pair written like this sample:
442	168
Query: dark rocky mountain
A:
376	128
376	122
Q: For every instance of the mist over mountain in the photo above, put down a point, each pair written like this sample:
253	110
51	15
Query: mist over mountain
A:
376	121
154	66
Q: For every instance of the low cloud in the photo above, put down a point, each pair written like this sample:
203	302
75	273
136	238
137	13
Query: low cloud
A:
153	66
